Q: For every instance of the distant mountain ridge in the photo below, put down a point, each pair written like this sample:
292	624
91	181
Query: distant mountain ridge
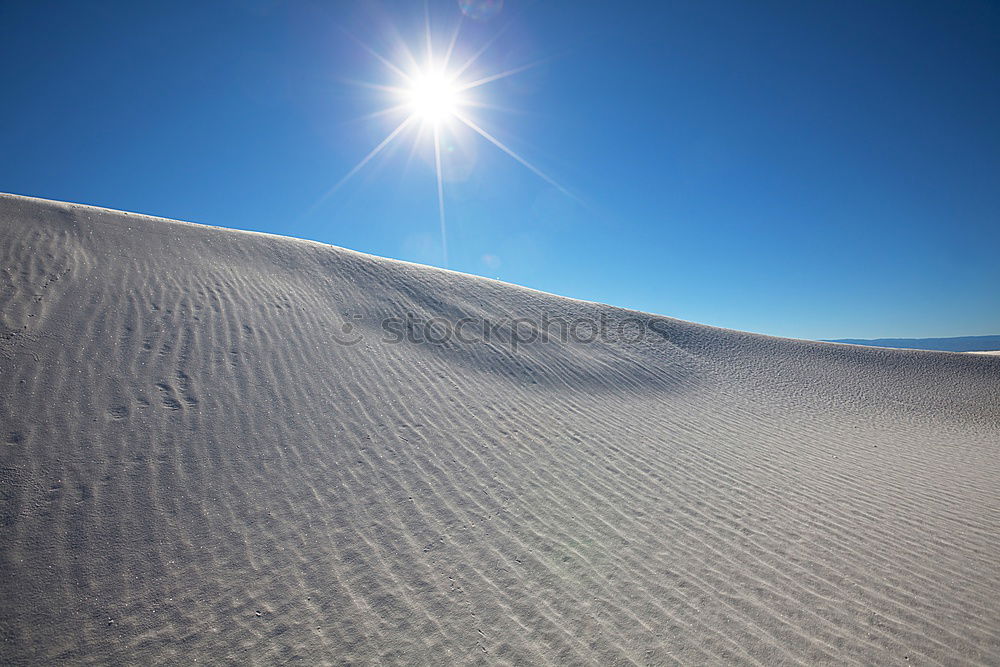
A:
955	344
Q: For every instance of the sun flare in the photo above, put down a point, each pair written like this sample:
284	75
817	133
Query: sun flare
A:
435	100
433	97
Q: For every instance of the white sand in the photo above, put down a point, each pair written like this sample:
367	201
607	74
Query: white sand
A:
194	471
985	352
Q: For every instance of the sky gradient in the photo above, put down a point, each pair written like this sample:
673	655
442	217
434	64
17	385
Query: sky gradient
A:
812	170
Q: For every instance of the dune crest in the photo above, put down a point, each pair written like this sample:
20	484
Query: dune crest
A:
232	447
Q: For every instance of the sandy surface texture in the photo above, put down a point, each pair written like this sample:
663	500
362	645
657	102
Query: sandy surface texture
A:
232	448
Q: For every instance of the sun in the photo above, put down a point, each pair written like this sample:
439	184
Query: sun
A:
433	97
436	98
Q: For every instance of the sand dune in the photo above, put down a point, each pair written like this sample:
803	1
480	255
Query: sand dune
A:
194	469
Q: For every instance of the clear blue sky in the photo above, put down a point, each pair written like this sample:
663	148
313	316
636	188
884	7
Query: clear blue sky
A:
806	169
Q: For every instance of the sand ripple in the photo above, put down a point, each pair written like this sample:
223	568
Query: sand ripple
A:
193	469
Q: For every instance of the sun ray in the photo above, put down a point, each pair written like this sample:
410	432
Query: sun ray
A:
427	35
375	86
365	160
475	56
499	144
478	104
471	61
440	194
418	141
501	75
404	50
388	111
378	56
451	44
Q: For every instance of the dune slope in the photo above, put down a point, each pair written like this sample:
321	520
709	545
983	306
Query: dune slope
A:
228	447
